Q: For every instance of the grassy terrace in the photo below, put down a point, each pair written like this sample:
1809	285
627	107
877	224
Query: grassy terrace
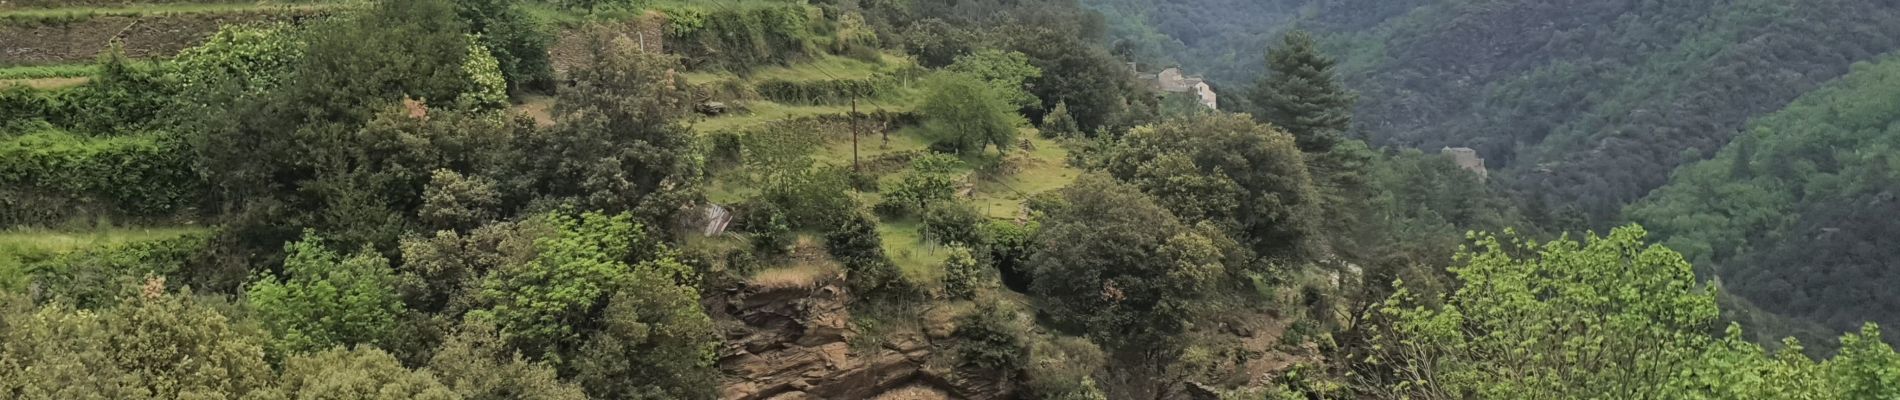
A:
46	76
21	247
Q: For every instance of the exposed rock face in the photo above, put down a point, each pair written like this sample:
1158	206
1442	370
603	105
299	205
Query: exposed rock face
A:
794	344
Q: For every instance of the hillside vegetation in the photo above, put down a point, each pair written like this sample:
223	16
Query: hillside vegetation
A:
787	199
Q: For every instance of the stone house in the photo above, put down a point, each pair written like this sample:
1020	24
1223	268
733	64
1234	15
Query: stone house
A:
1171	80
1468	159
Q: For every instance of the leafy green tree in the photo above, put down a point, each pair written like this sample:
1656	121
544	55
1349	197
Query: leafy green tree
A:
361	373
1005	71
325	299
930	179
442	273
621	144
655	342
1246	178
1058	123
517	39
155	345
1116	265
477	364
1299	94
857	244
453	201
963	275
965	114
544	304
1608	318
1094	84
249	59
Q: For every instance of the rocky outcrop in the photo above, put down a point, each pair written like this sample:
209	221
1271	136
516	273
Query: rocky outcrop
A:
797	343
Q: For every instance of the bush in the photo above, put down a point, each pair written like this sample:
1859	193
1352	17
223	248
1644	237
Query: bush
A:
857	245
992	340
953	223
928	181
964	275
50	175
1008	247
812	199
824	91
742	37
99	277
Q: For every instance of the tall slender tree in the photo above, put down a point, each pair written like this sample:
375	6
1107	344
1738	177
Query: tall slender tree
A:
1299	94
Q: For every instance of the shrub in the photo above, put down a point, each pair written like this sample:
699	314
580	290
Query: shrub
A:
857	245
964	275
823	91
49	175
739	38
992	340
812	199
953	223
928	181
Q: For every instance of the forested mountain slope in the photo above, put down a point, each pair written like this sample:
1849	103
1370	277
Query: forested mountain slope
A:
1798	215
1587	104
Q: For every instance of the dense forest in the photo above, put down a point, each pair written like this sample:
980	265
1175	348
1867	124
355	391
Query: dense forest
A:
890	199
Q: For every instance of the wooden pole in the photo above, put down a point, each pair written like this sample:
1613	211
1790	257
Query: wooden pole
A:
854	134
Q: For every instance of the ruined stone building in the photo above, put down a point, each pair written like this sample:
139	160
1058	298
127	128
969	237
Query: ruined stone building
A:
1468	159
1172	81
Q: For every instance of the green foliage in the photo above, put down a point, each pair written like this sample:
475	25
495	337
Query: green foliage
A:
830	91
1611	317
1060	368
442	273
965	114
249	59
123	96
1093	83
963	275
1059	124
95	278
517	40
452	201
953	223
1245	178
928	180
1119	266
325	299
49	176
937	43
155	345
488	87
620	144
361	373
812	199
1300	95
738	38
393	50
654	341
857	245
1804	190
1004	71
542	304
993	340
478	365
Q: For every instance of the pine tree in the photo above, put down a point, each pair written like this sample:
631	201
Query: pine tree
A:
1300	95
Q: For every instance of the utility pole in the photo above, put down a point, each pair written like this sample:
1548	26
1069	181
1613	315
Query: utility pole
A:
854	134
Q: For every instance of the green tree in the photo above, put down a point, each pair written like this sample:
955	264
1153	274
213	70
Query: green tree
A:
1118	266
621	144
478	365
325	299
1005	71
544	304
517	39
1058	123
655	342
362	373
1609	318
155	345
1244	177
965	114
1299	94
